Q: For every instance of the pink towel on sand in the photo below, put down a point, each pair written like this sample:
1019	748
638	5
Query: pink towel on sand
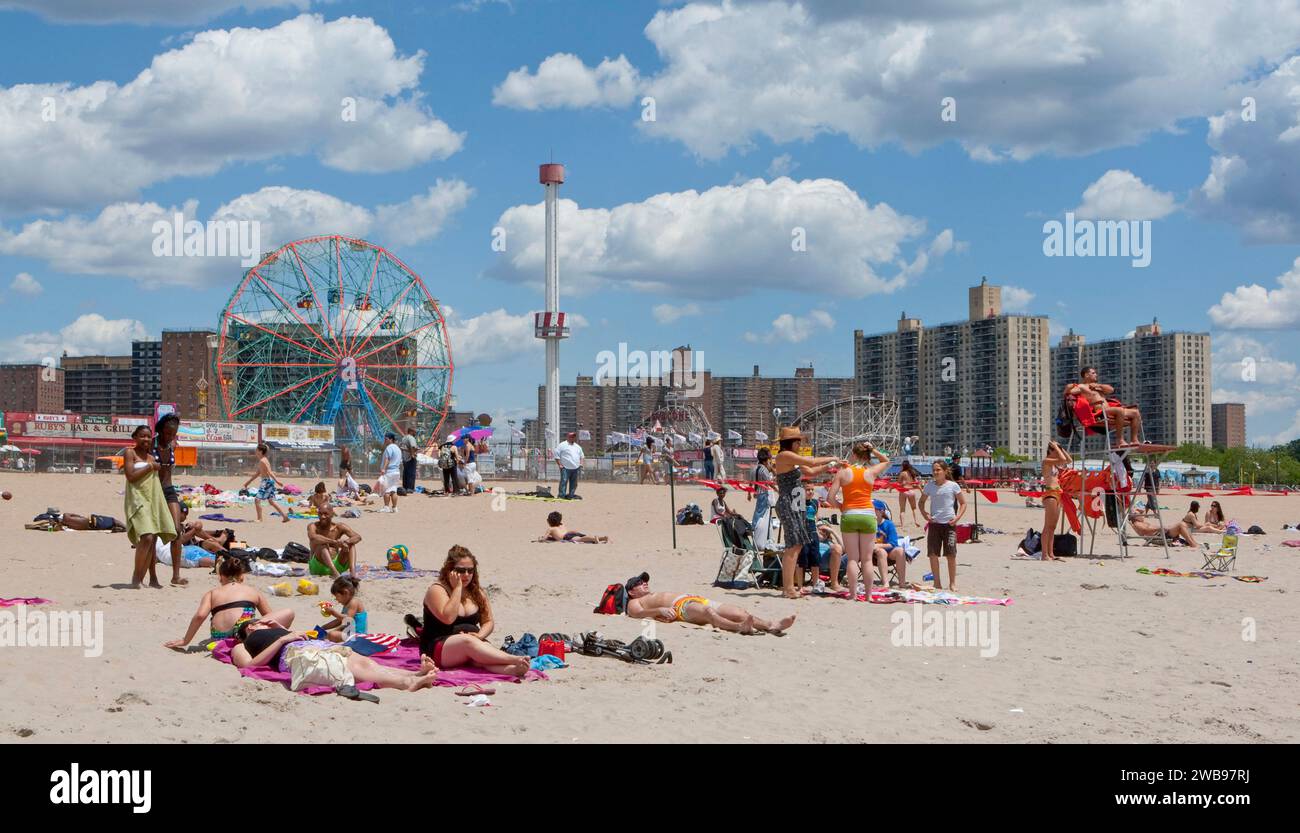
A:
1291	543
19	600
406	656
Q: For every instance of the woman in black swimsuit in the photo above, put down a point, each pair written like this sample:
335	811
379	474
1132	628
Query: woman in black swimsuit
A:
164	451
261	643
458	620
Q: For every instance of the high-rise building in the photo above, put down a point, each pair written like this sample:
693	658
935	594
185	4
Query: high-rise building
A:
1166	375
1228	424
146	375
97	384
36	388
187	374
730	403
967	384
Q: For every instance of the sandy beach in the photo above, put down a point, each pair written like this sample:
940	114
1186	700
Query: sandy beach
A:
1090	650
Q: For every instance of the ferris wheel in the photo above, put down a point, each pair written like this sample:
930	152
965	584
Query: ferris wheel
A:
335	331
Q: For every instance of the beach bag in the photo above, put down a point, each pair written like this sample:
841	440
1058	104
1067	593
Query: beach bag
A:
1065	544
310	665
734	571
1032	542
293	551
613	601
1065	420
551	647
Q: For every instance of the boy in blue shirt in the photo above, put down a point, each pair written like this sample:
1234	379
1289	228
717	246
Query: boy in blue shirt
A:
887	548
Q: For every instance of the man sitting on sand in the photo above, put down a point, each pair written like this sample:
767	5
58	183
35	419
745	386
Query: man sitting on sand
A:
1116	416
332	544
555	531
697	610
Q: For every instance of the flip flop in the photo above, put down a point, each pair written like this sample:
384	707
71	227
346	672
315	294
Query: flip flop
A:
474	689
352	693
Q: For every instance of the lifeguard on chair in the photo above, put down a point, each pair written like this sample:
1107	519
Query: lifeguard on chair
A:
1097	411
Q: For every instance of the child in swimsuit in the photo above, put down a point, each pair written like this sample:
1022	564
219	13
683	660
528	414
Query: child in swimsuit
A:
353	618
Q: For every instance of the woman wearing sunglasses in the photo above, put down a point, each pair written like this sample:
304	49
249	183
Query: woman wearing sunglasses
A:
458	620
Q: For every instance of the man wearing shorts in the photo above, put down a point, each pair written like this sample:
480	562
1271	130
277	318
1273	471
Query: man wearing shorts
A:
696	610
332	544
942	505
391	477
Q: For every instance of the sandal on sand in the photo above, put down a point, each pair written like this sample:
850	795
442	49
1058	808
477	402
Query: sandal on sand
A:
352	693
474	689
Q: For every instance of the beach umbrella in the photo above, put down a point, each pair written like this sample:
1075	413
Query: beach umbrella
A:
474	434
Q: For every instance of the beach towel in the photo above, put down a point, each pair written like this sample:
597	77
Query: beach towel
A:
146	510
1291	543
1165	571
369	572
407	656
24	600
369	644
931	597
217	516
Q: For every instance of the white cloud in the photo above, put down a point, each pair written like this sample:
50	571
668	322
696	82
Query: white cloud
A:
1257	401
143	11
1055	76
1016	298
1252	179
1238	358
563	80
1253	307
794	329
1120	195
781	165
494	337
726	240
668	313
89	335
119	240
25	284
227	96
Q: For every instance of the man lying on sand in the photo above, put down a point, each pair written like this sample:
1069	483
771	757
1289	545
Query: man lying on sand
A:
81	523
697	610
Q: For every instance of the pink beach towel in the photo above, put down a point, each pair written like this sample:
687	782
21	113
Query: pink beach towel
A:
19	600
1291	543
407	656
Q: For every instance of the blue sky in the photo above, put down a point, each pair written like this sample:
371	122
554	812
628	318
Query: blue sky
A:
769	116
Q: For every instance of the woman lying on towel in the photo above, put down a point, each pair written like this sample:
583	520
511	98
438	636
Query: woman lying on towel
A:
458	620
230	605
264	642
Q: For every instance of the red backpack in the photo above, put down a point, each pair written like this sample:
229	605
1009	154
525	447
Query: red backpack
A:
613	601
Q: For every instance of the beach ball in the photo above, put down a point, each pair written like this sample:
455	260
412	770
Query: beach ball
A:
399	558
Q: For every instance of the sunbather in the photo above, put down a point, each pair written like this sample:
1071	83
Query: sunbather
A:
230	605
1150	528
697	610
556	532
263	643
82	523
458	620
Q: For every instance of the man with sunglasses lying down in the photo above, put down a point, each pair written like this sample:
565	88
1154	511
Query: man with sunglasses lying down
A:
697	610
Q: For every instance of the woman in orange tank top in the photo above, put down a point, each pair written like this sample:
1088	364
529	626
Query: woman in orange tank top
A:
850	491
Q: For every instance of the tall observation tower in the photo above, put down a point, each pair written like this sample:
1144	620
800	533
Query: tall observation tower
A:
550	325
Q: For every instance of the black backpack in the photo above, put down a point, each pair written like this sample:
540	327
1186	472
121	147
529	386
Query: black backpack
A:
1032	542
293	551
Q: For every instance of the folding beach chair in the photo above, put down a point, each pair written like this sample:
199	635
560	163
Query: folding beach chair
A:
1224	558
740	558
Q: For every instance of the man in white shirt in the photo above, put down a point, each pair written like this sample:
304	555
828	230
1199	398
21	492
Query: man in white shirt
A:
569	456
391	476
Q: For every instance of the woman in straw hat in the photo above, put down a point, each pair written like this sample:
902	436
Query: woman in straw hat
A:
790	467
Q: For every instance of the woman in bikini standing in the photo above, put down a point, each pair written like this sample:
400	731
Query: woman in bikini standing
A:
164	451
850	491
1056	458
790	467
907	481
